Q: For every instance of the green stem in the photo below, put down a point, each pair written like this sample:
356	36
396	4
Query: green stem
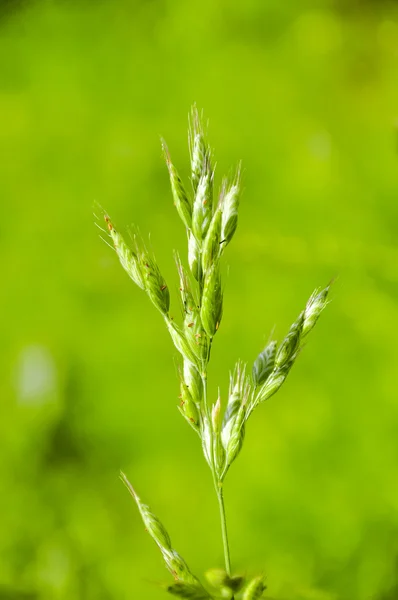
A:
220	496
218	485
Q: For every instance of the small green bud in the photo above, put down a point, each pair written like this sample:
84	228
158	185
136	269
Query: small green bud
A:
198	148
188	407
193	381
194	260
236	438
211	243
212	301
197	337
216	415
188	590
155	284
272	385
151	522
239	391
291	343
180	342
203	204
230	206
198	159
315	306
128	259
178	567
255	589
275	381
174	562
207	441
193	328
232	410
264	364
181	201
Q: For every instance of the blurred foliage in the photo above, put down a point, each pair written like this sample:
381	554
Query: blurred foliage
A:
306	94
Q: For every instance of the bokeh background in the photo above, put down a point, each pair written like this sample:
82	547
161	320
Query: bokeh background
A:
306	94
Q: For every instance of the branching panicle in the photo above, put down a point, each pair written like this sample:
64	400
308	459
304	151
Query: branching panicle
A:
210	228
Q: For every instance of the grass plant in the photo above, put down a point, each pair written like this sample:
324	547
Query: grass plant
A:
210	221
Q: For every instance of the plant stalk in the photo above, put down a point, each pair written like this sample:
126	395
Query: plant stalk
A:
220	496
218	485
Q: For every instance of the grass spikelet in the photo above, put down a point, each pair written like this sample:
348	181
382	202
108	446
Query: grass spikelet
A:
264	364
181	201
203	203
211	244
212	301
315	305
200	153
193	381
155	284
152	524
193	329
291	343
194	256
188	408
128	259
230	207
181	343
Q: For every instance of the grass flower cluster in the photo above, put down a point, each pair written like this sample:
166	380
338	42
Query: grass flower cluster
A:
210	221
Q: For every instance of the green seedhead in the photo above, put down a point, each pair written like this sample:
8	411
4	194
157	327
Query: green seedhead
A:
230	207
212	300
211	223
182	204
264	364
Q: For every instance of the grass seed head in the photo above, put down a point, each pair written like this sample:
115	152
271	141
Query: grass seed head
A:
174	562
180	342
274	381
210	229
211	243
178	567
203	204
194	259
236	437
180	196
155	283
264	364
188	407
193	381
193	328
151	522
230	206
315	306
212	301
199	158
198	148
216	415
207	441
239	391
291	343
128	259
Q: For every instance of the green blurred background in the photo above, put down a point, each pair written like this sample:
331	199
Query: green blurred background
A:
306	94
